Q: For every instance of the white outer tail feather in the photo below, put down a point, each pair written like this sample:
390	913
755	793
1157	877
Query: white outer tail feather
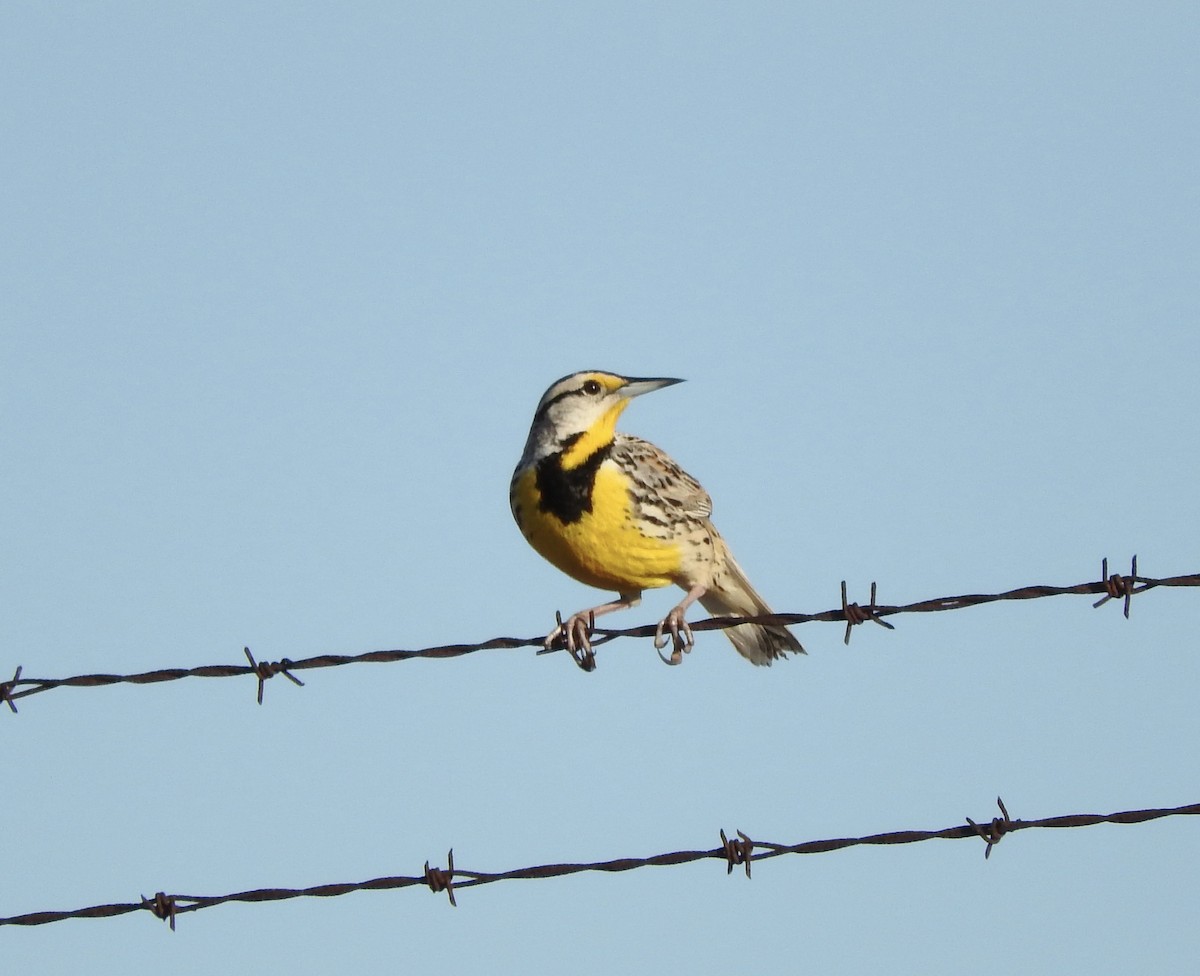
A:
731	595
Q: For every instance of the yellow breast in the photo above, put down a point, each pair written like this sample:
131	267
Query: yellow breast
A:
602	548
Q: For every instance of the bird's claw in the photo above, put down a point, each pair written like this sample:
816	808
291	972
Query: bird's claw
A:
680	635
574	634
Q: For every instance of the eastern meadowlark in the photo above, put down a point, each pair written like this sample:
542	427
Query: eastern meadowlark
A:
615	512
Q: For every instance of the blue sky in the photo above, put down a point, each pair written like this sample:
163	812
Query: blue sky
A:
282	286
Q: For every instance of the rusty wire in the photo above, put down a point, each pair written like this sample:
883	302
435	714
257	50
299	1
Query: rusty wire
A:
739	851
1108	587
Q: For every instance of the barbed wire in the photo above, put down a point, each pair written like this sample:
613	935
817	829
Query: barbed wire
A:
736	851
1111	587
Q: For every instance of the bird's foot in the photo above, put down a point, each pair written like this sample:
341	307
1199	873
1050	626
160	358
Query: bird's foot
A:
574	635
678	632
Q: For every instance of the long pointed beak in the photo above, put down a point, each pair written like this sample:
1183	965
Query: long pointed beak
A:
636	387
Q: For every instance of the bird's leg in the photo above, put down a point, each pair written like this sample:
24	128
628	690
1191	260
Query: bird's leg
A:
575	631
680	632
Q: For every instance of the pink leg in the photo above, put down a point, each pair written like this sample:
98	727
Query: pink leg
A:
576	630
680	632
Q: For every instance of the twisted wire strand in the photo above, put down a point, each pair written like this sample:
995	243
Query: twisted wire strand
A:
736	851
1116	586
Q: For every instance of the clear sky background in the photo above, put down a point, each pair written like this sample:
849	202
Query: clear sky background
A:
281	286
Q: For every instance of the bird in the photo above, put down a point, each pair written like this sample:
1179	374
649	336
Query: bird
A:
617	513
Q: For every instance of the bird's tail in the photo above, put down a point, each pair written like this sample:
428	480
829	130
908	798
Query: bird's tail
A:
731	595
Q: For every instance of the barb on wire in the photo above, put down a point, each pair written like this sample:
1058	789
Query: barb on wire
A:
732	852
162	905
264	670
1118	586
6	690
995	830
739	850
439	880
1109	588
855	614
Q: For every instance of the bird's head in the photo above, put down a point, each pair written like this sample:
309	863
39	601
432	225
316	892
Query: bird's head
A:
578	414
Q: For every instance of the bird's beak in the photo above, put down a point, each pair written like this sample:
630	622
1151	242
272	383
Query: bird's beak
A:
636	387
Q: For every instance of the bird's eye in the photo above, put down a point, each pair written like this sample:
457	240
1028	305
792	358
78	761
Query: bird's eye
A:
591	387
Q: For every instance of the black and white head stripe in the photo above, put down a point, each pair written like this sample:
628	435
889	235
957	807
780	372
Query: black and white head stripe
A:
578	384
